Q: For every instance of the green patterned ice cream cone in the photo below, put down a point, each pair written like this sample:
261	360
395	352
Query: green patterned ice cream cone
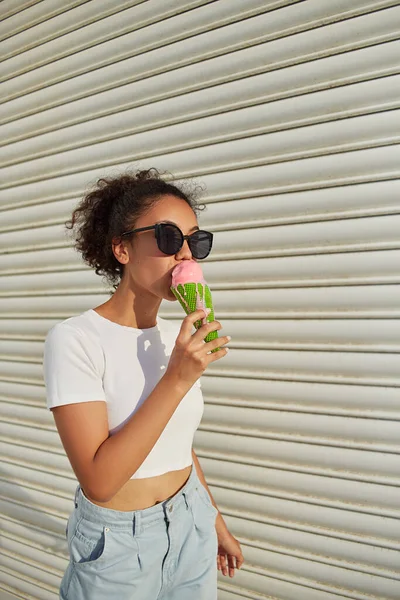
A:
193	296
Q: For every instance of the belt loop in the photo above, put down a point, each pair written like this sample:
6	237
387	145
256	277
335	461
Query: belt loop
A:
76	495
136	524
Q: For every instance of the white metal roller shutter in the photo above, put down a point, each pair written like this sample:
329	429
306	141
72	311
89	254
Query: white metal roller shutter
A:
289	113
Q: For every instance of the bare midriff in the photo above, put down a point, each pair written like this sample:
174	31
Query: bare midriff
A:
138	494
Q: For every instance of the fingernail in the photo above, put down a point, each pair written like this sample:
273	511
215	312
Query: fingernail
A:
208	310
229	337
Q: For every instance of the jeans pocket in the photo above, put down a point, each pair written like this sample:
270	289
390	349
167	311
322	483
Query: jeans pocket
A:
95	546
205	498
204	513
89	543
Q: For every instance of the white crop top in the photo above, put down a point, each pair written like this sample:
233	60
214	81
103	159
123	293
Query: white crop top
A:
89	357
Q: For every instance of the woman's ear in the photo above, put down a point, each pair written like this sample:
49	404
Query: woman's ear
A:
120	251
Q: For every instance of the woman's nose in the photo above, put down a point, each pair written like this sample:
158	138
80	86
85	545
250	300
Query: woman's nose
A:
185	251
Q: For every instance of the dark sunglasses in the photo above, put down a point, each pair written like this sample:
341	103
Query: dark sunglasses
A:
170	239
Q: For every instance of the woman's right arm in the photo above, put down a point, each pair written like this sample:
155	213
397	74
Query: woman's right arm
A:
104	463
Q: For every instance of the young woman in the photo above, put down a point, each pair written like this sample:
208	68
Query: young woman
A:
123	386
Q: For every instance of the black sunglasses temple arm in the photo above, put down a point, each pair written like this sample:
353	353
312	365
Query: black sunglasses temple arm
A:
137	230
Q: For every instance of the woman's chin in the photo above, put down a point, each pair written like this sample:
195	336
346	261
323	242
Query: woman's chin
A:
170	296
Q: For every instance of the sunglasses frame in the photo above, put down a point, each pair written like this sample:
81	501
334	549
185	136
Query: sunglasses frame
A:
157	227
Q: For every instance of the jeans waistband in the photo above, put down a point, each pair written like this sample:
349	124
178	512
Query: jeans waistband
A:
124	519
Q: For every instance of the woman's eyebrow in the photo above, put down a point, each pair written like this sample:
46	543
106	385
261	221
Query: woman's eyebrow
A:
195	228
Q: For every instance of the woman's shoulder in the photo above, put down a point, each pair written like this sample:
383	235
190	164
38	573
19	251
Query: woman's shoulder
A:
78	326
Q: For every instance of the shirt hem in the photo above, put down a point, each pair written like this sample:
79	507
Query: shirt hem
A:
76	401
154	473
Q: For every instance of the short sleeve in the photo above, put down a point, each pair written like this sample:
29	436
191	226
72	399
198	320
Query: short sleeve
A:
72	367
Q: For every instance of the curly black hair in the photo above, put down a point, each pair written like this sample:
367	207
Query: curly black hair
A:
112	207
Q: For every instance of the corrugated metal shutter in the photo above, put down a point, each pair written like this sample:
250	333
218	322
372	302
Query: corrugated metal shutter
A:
289	113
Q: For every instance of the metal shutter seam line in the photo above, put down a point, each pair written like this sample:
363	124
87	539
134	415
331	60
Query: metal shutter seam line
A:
58	26
34	14
221	55
278	147
90	33
11	7
259	11
232	125
266	88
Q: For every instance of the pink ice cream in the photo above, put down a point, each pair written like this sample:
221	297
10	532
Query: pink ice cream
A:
188	271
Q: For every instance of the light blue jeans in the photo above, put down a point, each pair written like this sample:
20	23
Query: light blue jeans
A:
165	552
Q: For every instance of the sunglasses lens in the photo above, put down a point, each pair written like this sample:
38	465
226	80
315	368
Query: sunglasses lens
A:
201	243
169	239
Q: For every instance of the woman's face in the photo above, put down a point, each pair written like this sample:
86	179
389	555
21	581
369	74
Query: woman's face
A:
149	269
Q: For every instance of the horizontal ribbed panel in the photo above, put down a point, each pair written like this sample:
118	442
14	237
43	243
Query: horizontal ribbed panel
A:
215	42
91	28
315	172
167	106
18	16
11	7
275	116
289	113
281	53
34	33
341	136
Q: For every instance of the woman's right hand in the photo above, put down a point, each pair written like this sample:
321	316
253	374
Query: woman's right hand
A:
191	354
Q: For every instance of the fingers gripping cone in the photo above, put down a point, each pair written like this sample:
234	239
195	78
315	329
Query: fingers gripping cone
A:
193	296
192	292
